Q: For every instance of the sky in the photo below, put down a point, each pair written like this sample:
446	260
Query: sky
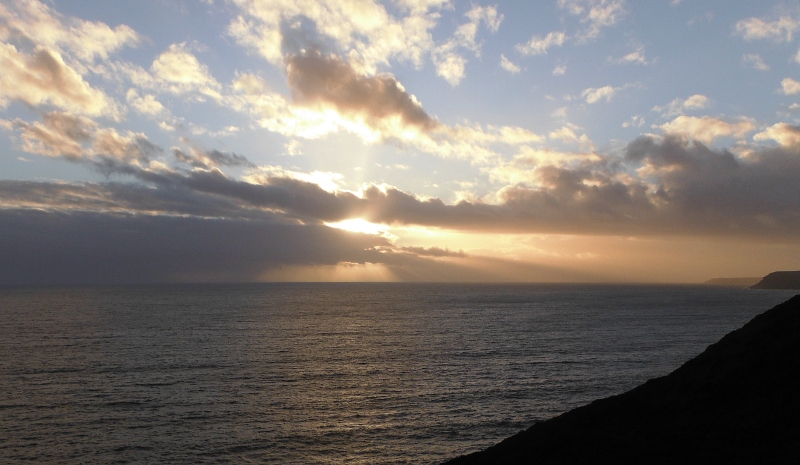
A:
398	140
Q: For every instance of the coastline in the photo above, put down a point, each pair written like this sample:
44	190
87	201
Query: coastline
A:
736	402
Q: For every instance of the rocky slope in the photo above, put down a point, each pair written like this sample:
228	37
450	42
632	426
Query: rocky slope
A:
737	402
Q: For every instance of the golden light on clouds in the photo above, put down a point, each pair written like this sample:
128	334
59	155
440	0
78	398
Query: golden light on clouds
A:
404	140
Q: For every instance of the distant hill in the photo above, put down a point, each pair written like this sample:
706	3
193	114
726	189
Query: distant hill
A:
737	402
779	280
733	282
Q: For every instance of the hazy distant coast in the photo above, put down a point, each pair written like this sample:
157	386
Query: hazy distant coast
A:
733	282
779	280
775	280
734	403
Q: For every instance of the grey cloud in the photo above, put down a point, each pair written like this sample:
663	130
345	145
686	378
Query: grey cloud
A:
434	252
94	248
59	134
297	199
315	78
59	248
211	158
77	138
688	189
126	198
708	186
110	144
707	194
73	127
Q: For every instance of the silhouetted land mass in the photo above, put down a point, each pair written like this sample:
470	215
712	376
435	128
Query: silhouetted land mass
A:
779	280
737	402
733	282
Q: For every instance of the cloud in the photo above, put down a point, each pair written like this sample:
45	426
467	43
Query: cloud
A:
364	31
524	168
449	64
206	224
43	78
329	95
679	106
637	56
75	137
706	128
422	5
559	70
433	252
754	61
265	175
779	30
45	56
319	80
146	105
178	71
60	134
594	95
207	159
567	135
684	188
790	86
33	21
96	248
596	14
782	133
635	121
539	45
508	65
466	33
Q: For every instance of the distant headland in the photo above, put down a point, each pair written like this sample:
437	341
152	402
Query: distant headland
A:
774	280
734	403
733	282
779	280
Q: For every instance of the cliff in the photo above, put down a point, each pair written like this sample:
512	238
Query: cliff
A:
779	280
737	402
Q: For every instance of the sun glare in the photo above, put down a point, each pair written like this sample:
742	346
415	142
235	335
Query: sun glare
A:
360	226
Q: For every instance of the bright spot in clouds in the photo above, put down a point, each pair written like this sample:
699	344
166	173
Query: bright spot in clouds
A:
359	225
550	140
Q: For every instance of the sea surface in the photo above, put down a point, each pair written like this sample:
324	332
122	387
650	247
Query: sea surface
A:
329	373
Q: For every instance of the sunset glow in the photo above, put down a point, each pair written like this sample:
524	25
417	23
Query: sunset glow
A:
358	225
589	140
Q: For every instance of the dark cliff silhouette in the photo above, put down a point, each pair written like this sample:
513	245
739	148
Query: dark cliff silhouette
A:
737	402
779	280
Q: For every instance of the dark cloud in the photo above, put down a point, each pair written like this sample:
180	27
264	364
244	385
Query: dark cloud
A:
711	187
211	158
682	189
315	78
204	225
126	197
39	247
201	225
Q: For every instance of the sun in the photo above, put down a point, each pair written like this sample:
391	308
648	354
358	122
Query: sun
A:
360	226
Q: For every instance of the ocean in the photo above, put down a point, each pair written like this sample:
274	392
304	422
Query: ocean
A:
329	373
